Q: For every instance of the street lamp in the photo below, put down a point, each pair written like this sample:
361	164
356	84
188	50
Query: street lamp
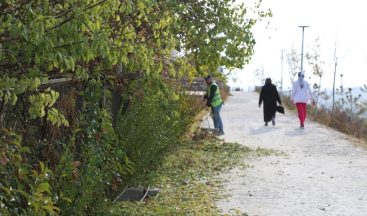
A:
303	33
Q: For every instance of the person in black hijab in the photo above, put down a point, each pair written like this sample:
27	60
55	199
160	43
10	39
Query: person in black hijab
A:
269	95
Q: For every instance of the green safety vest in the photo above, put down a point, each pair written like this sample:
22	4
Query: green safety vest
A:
217	100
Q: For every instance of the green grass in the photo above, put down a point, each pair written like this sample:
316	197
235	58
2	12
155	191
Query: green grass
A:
186	178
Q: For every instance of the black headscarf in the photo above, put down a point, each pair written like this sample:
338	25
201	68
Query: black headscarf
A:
267	81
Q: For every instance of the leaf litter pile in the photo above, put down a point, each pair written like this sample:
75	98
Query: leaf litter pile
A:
186	178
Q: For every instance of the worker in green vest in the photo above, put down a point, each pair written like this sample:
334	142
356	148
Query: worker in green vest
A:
214	101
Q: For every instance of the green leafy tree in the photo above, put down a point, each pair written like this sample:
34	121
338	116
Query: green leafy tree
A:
103	48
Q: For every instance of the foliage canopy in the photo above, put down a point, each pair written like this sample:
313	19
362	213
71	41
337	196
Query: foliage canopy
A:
63	136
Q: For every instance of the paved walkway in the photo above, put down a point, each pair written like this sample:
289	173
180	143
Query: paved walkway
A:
323	172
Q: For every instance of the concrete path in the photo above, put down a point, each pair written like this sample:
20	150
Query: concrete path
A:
323	172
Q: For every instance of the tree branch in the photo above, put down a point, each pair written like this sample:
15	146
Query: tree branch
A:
73	15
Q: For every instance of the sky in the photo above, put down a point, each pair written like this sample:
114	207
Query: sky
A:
340	24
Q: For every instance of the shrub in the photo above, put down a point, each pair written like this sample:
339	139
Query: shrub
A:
93	159
25	188
340	120
156	120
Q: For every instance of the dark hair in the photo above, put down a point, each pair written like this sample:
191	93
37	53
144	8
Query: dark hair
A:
207	77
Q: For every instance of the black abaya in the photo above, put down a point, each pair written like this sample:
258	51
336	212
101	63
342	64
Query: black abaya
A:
269	95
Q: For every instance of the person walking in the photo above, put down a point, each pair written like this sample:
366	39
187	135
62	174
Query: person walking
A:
301	95
270	96
214	101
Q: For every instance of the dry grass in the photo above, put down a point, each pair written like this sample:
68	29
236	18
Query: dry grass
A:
339	120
